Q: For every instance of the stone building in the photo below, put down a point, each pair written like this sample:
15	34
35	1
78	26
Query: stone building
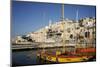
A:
82	31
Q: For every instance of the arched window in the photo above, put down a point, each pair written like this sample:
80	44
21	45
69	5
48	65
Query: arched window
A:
71	36
87	34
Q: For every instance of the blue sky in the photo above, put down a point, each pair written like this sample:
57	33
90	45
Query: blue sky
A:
30	16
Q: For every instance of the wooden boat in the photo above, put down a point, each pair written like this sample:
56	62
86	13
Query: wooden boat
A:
63	57
86	50
79	55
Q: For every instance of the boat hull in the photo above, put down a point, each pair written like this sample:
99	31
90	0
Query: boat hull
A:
63	59
81	54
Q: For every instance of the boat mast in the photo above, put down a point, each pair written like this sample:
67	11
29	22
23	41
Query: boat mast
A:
62	12
63	28
44	33
75	27
76	21
77	16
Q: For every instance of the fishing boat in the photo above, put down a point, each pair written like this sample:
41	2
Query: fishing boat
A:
63	56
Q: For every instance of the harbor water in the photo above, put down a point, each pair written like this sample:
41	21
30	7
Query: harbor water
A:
29	57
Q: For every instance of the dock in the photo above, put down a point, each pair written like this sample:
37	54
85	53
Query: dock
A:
41	45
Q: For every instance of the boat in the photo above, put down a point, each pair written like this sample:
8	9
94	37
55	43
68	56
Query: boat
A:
63	56
81	55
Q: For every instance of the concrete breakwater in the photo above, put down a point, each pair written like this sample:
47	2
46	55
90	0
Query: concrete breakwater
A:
32	45
37	45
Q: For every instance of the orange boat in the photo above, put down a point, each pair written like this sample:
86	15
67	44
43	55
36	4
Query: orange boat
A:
86	50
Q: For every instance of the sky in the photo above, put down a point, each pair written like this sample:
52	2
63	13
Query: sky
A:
31	16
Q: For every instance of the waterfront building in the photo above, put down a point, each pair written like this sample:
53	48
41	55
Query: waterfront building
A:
81	32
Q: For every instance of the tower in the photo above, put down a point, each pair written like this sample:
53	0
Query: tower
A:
76	15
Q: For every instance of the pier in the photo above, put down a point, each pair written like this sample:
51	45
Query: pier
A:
42	45
32	45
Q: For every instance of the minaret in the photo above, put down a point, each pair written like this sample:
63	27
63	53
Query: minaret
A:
50	23
77	16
